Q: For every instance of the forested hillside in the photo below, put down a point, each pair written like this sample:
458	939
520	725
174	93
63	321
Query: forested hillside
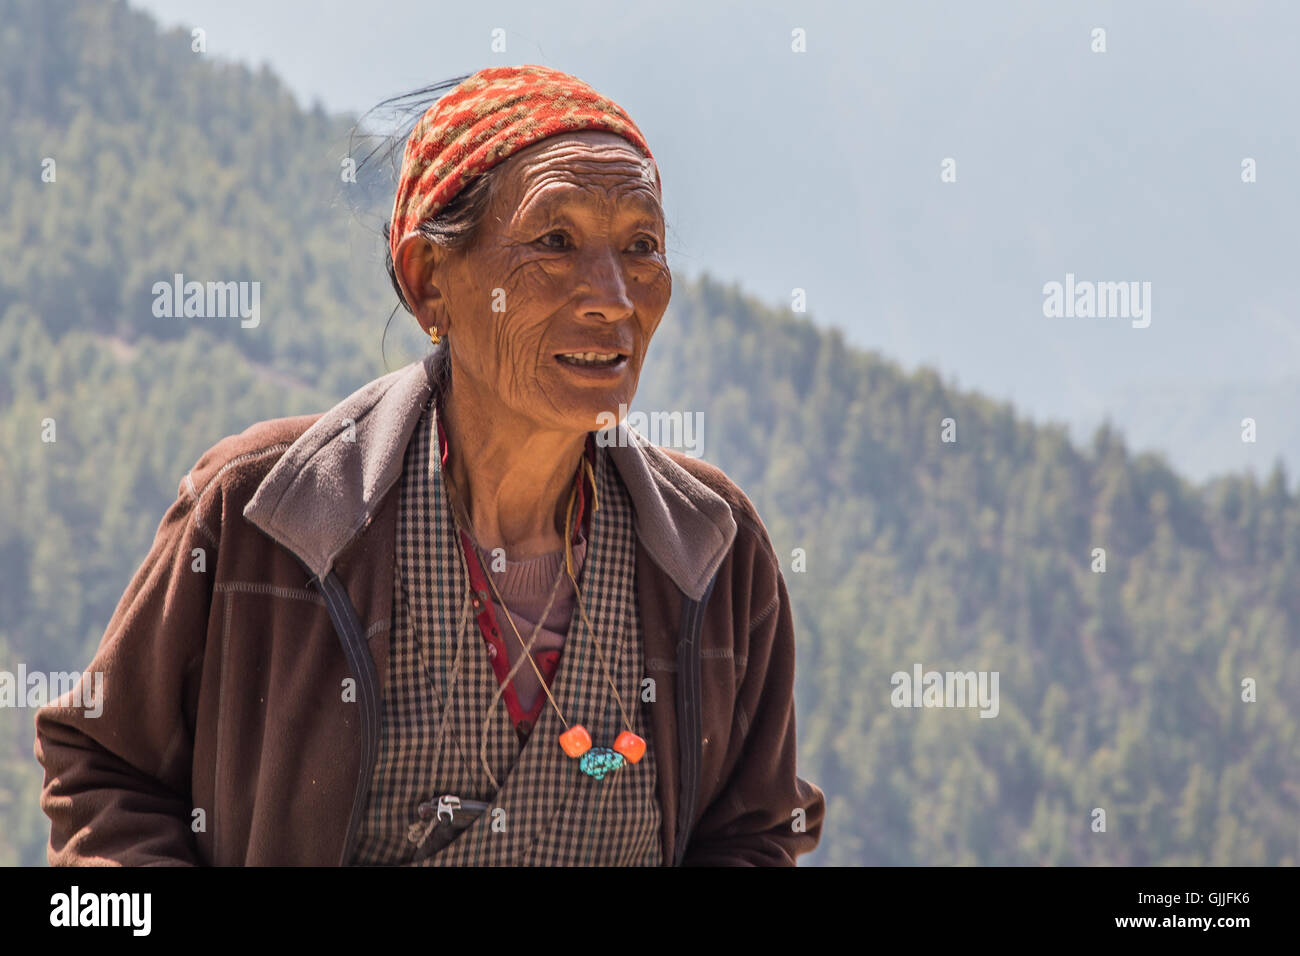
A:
1120	690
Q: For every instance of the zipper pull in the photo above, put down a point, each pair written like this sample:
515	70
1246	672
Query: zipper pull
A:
431	813
418	832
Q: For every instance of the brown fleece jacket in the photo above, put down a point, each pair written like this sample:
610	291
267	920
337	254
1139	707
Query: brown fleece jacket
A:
234	727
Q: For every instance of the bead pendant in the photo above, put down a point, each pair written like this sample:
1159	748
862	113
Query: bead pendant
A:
599	761
630	746
575	741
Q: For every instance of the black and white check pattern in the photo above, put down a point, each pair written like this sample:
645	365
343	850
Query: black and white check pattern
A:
546	812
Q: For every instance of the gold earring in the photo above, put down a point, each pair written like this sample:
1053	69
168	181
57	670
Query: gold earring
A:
434	337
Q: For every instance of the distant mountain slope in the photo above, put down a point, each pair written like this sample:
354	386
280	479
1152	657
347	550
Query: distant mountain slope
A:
1198	427
1119	690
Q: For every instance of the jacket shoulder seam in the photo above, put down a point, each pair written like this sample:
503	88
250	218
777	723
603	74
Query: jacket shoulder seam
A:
239	460
764	614
320	448
765	547
198	493
194	510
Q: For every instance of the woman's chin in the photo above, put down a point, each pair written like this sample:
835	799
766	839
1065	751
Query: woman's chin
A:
593	409
598	416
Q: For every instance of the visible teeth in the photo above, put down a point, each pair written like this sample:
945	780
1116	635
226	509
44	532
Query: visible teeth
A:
590	358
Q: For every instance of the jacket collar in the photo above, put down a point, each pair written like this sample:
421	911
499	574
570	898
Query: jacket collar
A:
328	484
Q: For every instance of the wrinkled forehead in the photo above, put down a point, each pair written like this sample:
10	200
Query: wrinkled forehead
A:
588	158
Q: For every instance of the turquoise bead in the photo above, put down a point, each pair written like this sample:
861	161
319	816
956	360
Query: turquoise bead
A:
599	761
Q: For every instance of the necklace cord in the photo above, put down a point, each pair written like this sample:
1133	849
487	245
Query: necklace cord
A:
458	509
425	829
568	561
510	676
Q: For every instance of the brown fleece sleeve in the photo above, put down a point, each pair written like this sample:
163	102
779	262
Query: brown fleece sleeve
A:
117	785
753	821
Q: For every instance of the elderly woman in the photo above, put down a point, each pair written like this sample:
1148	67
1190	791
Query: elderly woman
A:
457	619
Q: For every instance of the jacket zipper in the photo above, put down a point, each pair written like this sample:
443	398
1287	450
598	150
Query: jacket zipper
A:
346	625
689	718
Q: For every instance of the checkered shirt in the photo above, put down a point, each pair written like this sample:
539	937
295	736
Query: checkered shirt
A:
544	811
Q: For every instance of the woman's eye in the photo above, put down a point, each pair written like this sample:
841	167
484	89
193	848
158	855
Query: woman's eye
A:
650	245
562	242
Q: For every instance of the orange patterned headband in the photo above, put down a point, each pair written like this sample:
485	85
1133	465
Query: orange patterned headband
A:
489	116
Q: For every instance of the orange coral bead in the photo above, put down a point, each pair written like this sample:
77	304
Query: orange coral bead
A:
630	746
575	741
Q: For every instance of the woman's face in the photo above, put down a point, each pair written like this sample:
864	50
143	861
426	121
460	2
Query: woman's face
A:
569	259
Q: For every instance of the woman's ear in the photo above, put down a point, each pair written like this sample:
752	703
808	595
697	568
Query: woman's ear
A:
416	266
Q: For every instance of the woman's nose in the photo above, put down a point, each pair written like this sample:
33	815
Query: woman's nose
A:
605	294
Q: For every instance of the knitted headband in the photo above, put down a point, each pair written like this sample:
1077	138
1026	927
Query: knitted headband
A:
488	117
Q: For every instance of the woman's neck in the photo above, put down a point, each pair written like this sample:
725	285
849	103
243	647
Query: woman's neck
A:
513	478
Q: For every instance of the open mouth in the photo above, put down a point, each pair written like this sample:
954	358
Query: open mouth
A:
592	359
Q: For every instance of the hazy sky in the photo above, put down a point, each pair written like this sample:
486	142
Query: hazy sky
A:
821	170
